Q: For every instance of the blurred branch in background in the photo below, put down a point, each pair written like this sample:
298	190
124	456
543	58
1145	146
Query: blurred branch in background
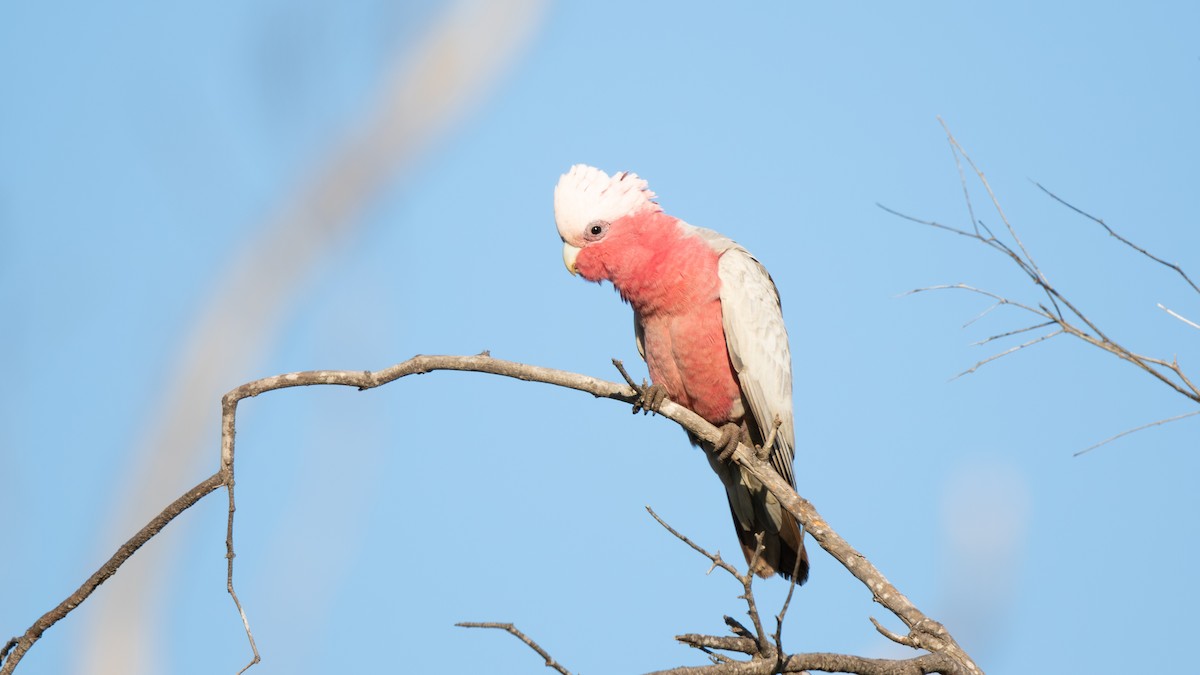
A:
429	87
1055	311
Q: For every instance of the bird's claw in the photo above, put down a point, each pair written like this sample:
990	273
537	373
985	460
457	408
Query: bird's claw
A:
650	398
726	445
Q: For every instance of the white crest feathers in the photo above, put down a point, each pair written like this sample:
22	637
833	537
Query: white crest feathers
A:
585	194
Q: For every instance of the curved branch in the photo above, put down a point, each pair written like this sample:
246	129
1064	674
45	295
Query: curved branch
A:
924	633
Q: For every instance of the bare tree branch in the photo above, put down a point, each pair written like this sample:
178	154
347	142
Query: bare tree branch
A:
761	647
15	649
1008	351
734	643
811	662
842	663
924	633
1010	333
512	630
1061	312
717	560
766	658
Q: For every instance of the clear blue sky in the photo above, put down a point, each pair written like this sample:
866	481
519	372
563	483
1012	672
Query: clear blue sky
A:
141	146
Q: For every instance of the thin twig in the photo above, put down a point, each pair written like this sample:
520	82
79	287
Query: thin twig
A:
716	558
1006	352
998	298
891	635
624	373
769	443
1010	333
930	223
512	630
735	643
1110	439
787	601
747	580
984	313
1189	322
1060	311
995	202
962	179
228	432
1123	240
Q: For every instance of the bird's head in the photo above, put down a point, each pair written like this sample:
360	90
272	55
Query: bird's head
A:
589	205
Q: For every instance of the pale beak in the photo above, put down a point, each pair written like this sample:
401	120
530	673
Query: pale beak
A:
569	254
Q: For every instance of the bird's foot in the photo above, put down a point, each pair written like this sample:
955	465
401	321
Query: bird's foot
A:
650	398
731	435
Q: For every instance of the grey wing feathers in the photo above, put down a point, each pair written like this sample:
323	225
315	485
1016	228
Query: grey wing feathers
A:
758	346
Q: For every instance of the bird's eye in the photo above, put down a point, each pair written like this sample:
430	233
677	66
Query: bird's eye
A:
596	230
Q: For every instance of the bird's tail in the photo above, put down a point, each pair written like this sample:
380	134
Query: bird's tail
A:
756	511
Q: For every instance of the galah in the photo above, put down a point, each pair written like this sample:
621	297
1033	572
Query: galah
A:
707	321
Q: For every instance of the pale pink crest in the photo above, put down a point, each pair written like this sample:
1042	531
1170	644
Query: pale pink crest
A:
586	194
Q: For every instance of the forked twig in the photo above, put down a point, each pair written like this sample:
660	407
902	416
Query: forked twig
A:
763	648
1058	310
717	560
1010	333
1008	351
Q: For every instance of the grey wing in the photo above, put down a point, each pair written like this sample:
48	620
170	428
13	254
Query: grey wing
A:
758	348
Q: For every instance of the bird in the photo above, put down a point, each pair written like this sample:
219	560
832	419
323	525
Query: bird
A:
709	324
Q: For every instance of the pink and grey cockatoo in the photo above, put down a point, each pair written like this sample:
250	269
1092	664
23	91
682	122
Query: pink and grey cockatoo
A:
707	320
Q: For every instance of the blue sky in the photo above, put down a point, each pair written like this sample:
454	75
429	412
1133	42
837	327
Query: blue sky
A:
142	148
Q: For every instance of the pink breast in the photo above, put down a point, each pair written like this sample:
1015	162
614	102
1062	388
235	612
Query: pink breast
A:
686	354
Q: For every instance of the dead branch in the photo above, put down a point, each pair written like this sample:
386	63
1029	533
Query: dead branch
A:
15	649
768	658
512	630
762	649
842	663
815	661
924	633
1056	310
